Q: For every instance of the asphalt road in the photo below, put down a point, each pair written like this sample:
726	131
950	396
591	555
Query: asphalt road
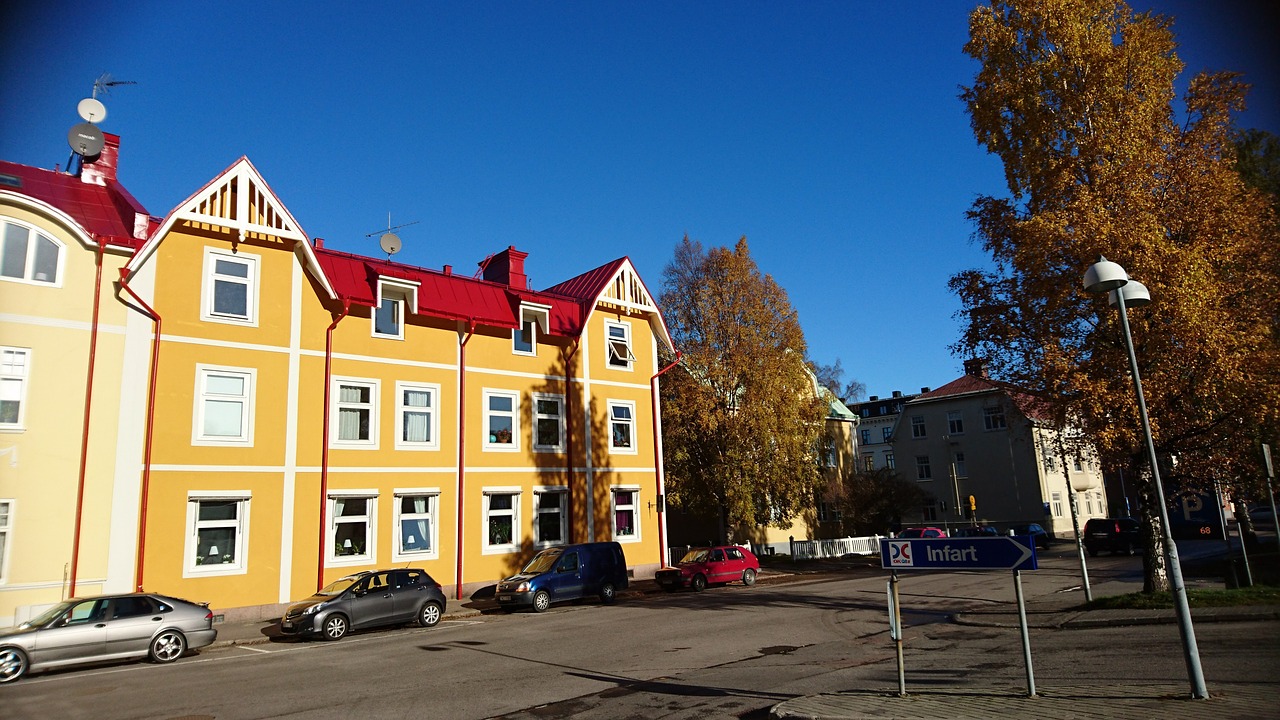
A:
729	652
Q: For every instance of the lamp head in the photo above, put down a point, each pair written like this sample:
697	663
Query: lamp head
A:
1104	276
1135	294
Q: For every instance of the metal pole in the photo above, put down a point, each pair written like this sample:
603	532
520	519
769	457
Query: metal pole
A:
897	623
1026	637
1190	651
1226	538
1125	494
1271	496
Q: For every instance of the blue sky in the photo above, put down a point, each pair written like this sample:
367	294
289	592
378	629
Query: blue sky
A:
829	134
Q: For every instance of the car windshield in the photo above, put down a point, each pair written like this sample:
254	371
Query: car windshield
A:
53	612
339	586
696	555
542	562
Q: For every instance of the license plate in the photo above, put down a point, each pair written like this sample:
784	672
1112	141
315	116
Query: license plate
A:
286	625
504	598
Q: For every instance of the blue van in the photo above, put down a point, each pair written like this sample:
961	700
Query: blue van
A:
566	573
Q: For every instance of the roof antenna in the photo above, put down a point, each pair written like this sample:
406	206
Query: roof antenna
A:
389	241
86	139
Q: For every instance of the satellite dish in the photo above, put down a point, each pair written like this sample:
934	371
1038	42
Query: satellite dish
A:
390	243
86	140
91	110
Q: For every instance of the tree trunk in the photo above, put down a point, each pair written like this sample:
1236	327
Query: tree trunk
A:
1155	570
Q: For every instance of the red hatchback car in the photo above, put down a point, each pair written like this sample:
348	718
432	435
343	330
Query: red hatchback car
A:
706	565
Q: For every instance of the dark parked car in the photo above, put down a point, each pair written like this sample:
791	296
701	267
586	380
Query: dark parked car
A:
105	627
707	565
367	599
1038	534
1117	535
566	573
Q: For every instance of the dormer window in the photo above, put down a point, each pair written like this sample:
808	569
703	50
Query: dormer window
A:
533	320
618	339
395	298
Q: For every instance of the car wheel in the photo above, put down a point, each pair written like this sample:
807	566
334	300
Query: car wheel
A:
699	583
607	593
168	646
429	615
541	601
13	664
748	577
336	627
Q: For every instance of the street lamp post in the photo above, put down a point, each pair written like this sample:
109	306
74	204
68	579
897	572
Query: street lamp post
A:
1106	276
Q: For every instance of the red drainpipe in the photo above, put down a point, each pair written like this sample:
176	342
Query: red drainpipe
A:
324	441
84	433
568	432
151	423
462	442
657	459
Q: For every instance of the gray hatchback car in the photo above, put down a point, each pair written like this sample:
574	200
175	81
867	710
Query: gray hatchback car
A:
367	599
105	627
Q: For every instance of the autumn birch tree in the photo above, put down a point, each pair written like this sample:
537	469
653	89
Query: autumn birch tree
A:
1076	97
741	421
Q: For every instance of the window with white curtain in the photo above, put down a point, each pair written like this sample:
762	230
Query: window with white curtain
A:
351	523
354	417
417	417
224	406
416	523
622	427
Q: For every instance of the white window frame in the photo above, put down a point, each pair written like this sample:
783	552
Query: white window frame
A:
887	432
562	512
433	424
9	506
513	545
247	407
405	296
866	436
869	462
629	422
615	347
34	235
370	520
432	514
192	563
336	405
989	417
210	281
488	414
12	372
559	418
534	317
889	461
955	422
1055	504
634	508
958	462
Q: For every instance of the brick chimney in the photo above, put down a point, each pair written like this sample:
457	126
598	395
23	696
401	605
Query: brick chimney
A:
507	267
977	367
103	169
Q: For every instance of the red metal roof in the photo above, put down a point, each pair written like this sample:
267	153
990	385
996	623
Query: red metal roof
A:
107	212
973	384
450	296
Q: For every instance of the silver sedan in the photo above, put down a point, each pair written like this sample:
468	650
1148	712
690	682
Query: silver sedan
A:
106	627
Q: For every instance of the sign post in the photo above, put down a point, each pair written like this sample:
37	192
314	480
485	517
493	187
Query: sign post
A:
1012	552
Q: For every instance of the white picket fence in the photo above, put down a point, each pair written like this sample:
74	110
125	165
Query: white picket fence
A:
830	548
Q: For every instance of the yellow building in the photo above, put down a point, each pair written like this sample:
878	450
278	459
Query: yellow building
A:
63	421
310	413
